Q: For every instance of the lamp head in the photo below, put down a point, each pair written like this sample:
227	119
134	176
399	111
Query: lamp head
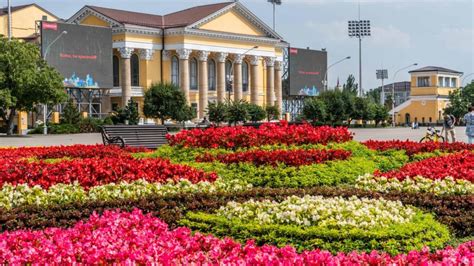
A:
64	32
348	57
415	64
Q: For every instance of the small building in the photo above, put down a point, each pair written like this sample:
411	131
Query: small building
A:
23	21
402	91
430	88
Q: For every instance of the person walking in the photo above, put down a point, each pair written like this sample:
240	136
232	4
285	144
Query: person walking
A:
449	121
469	120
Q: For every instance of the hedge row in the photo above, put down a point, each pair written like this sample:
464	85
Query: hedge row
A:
455	211
422	231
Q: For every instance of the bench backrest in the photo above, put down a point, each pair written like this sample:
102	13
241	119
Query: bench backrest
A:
148	136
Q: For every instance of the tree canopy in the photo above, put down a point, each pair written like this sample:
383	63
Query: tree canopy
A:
460	100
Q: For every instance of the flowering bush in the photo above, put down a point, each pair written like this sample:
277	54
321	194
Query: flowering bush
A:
267	134
334	212
133	237
96	171
457	166
446	186
287	157
412	147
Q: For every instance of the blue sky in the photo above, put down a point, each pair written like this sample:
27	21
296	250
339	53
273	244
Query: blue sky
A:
428	32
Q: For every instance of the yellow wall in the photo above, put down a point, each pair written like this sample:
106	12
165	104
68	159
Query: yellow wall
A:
232	22
24	21
417	110
94	21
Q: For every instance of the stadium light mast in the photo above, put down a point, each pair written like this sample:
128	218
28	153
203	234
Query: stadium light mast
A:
325	81
393	90
274	3
9	20
359	29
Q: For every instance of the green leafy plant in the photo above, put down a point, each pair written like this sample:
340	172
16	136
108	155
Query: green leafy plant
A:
217	112
272	112
256	112
71	114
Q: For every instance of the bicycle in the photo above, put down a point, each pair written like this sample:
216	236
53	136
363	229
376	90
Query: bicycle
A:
432	135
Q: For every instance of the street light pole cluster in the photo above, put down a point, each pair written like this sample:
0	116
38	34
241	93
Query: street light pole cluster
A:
359	29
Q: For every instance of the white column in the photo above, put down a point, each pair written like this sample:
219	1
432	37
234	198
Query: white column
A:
221	78
270	92
125	78
278	85
237	81
203	85
184	71
254	79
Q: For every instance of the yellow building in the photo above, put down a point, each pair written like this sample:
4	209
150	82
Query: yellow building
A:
199	49
24	20
430	88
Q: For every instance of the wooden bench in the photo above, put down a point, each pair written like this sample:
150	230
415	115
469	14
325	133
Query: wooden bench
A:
147	136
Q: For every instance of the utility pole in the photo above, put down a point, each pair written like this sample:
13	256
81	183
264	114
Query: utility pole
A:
9	20
382	74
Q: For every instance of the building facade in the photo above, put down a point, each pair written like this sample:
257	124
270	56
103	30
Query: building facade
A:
213	53
24	20
430	88
402	91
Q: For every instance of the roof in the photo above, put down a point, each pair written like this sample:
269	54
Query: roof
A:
434	69
4	10
177	19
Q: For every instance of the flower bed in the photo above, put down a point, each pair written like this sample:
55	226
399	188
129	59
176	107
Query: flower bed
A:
457	166
141	239
267	134
337	225
288	157
412	147
96	171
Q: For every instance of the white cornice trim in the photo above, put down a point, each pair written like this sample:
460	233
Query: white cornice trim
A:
221	35
218	49
136	45
87	11
127	28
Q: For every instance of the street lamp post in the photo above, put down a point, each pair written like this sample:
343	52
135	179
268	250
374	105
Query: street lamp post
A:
9	20
230	78
274	3
393	90
327	69
45	106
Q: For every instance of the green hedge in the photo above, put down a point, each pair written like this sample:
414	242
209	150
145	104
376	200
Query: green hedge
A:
422	231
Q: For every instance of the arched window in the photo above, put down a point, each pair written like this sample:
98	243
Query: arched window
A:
135	70
116	70
228	75
245	76
211	74
175	70
193	74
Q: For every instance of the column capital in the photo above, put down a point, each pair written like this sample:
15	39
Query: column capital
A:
221	57
166	55
125	52
254	60
183	53
270	61
203	55
238	58
278	65
146	54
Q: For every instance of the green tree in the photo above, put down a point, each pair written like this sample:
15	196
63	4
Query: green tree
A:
217	112
380	114
350	86
165	101
71	114
256	112
460	100
335	106
129	114
25	80
236	112
374	95
361	106
272	112
314	109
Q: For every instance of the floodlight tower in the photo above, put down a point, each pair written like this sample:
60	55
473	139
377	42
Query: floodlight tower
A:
274	3
359	29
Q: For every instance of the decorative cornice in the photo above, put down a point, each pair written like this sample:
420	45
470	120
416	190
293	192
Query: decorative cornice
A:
125	52
146	54
203	55
278	65
136	30
221	35
166	56
87	11
238	58
254	60
183	53
221	57
270	61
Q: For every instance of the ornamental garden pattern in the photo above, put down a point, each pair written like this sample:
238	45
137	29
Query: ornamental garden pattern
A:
275	195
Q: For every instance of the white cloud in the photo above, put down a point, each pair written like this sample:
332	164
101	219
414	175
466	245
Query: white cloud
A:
390	36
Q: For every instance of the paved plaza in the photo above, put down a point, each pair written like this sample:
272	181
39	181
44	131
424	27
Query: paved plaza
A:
361	134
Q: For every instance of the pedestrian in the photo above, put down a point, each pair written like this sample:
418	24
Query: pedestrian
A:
469	120
449	121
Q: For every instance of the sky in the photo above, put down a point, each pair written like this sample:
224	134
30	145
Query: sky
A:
427	32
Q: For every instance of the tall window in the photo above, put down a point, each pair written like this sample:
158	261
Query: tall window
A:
446	82
211	74
423	81
135	70
193	74
116	70
228	75
453	82
440	82
245	76
175	70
